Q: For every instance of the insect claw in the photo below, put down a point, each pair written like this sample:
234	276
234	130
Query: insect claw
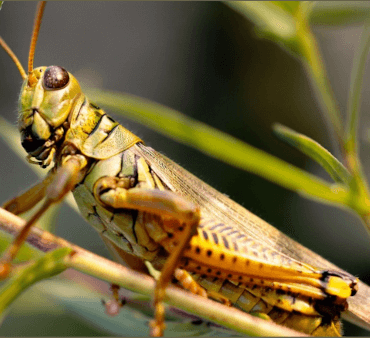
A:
156	329
30	160
112	307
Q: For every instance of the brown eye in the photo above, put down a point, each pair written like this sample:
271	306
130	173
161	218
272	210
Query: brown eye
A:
55	77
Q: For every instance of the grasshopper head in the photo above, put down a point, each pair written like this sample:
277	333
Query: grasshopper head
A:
44	106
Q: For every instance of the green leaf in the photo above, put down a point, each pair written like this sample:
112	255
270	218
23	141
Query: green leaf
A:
339	13
49	265
315	151
289	6
273	20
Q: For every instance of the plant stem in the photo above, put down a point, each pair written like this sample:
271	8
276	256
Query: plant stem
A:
316	71
354	101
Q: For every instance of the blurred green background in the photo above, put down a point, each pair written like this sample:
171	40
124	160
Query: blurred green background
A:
202	59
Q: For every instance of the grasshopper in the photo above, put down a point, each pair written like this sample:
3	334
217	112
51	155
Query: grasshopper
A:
148	208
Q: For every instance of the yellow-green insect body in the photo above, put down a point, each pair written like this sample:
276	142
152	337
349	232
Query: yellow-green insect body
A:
224	259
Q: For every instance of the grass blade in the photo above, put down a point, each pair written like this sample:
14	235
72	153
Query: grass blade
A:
315	151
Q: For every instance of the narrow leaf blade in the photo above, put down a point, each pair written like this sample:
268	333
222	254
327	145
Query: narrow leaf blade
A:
315	151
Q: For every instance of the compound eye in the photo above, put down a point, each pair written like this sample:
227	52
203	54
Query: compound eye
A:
55	77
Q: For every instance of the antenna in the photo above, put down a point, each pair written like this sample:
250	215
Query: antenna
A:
13	57
35	33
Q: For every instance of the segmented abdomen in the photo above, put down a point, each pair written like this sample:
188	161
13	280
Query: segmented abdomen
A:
250	301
